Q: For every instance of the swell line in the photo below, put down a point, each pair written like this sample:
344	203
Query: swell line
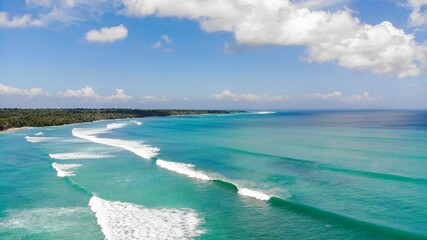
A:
310	164
381	230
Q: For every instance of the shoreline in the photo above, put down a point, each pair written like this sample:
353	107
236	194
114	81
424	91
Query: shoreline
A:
49	117
15	129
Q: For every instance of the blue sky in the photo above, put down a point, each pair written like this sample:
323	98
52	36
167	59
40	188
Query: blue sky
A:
259	54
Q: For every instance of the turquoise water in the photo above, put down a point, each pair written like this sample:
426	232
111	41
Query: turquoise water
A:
282	175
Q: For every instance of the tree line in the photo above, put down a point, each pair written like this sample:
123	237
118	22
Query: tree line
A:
16	117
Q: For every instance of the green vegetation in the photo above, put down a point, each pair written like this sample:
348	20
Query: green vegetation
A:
15	118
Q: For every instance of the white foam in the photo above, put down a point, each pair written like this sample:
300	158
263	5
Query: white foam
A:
184	169
263	113
253	194
65	170
116	125
39	139
78	155
39	134
137	122
140	149
121	220
188	170
44	220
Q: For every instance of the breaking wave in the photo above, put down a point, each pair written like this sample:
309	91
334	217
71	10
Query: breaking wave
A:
65	170
137	122
189	171
78	155
140	149
121	220
116	125
262	113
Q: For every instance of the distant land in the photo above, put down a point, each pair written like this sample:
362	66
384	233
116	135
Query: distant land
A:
18	118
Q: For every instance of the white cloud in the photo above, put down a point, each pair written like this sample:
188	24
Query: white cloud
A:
107	34
157	45
89	93
321	4
364	97
18	21
328	36
8	90
150	98
249	97
167	39
335	96
70	11
339	96
327	96
418	16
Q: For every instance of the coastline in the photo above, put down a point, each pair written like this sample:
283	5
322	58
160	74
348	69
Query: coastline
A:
13	119
15	129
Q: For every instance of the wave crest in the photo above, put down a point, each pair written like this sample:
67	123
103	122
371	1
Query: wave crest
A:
65	170
78	155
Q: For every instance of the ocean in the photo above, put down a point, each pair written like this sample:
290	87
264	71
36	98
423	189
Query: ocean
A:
256	175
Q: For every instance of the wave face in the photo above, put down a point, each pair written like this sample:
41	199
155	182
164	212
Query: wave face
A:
65	170
39	134
188	170
122	221
140	149
78	155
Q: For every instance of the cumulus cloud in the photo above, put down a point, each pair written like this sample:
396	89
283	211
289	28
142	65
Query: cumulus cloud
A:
249	97
8	90
107	34
320	4
88	93
328	36
18	21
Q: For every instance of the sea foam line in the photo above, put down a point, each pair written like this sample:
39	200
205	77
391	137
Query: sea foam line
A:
116	125
137	122
78	155
140	149
122	220
39	139
188	170
41	220
65	170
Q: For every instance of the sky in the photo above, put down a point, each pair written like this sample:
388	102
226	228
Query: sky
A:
213	54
